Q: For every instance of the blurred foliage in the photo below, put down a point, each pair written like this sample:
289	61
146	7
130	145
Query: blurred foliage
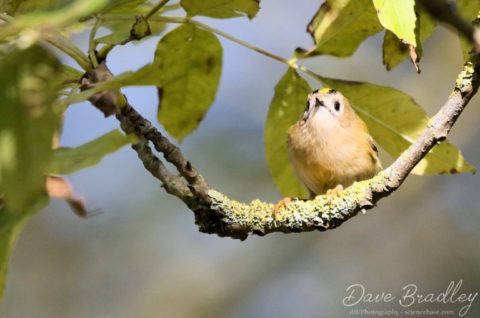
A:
68	160
186	70
222	9
24	6
11	224
27	124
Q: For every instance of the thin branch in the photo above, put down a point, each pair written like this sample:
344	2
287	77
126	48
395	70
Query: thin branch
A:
133	122
91	42
172	184
65	45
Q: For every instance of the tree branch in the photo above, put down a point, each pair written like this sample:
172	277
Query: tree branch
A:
216	213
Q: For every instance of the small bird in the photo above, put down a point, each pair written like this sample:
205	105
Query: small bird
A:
330	146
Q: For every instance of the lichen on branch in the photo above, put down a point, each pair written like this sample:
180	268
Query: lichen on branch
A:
321	213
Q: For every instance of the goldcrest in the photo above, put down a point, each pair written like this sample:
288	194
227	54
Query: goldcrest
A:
330	146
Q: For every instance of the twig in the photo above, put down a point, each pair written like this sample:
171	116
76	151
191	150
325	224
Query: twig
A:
91	42
134	122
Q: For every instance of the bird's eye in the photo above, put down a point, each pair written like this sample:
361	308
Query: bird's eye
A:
337	106
319	103
307	106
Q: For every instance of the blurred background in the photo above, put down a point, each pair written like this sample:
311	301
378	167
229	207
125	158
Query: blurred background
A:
144	257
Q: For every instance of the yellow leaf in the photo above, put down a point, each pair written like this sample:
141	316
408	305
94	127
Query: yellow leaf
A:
395	51
398	17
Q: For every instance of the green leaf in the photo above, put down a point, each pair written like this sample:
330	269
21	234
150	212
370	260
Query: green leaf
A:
221	9
285	109
395	51
340	26
188	61
468	9
395	121
122	6
9	6
68	160
398	17
43	10
11	225
27	123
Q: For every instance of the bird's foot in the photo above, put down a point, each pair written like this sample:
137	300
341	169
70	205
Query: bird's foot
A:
336	192
280	205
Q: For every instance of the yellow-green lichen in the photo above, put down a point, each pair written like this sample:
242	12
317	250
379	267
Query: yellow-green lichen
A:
466	75
323	211
256	211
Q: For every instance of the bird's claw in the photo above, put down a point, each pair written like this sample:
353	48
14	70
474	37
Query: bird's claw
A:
280	205
336	192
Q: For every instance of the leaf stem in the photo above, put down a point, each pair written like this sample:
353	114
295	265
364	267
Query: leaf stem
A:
91	42
104	50
290	62
68	47
155	8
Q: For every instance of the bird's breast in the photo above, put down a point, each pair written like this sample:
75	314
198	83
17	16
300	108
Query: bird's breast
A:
323	160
